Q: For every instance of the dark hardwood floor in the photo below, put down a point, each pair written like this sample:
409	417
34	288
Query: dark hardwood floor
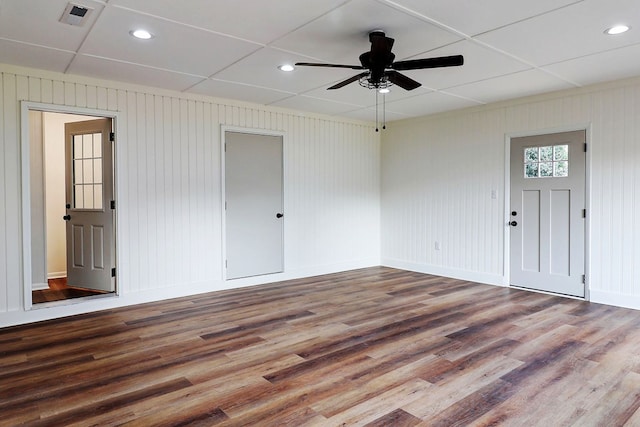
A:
373	347
58	290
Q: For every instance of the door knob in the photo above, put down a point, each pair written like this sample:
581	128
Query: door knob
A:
67	217
279	215
513	223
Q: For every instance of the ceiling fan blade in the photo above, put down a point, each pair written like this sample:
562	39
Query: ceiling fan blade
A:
346	82
417	64
401	80
313	64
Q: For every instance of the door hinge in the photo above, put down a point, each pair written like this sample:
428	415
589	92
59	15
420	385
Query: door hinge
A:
113	272
226	263
584	279
585	147
112	136
113	204
584	213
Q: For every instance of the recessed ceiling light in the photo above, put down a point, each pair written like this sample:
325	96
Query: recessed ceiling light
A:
384	90
618	29
286	67
141	34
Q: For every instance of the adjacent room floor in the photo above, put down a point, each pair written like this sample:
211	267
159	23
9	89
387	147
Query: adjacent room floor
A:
376	346
58	290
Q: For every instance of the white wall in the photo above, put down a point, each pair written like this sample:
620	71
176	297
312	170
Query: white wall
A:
38	206
438	174
54	159
169	189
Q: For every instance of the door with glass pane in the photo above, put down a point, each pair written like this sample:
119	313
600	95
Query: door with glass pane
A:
89	191
547	212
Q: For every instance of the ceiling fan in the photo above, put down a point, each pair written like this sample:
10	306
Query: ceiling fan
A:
381	70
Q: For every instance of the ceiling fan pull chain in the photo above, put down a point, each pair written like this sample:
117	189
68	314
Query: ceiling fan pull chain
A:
384	111
377	111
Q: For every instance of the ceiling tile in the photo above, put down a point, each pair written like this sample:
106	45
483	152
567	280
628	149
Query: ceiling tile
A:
241	92
342	35
174	47
315	105
571	32
516	85
472	17
369	114
261	69
614	64
480	63
37	22
429	103
256	20
34	56
131	73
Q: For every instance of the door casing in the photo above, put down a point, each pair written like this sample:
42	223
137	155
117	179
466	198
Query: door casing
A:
263	132
25	107
586	127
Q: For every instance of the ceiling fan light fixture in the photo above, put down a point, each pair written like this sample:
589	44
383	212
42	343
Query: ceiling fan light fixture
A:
617	29
141	34
384	90
287	68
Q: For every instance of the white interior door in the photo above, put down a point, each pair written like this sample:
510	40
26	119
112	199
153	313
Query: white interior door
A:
254	201
547	212
89	191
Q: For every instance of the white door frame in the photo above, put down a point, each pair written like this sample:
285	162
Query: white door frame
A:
25	106
507	202
255	131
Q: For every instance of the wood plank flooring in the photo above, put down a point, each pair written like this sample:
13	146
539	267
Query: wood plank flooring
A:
371	347
58	290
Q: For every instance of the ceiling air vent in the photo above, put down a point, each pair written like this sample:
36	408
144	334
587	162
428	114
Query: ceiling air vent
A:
75	14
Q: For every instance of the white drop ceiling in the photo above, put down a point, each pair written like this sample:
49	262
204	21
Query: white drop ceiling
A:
231	49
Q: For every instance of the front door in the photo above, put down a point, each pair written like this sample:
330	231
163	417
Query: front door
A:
254	201
547	212
89	217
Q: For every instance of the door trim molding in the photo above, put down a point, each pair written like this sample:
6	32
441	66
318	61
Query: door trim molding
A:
587	128
25	107
254	131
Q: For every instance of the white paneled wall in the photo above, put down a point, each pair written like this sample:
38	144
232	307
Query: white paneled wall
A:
169	189
439	172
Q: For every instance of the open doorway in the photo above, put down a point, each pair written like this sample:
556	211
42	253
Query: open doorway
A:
72	207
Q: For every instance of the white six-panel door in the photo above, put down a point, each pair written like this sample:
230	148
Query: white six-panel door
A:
254	204
89	217
547	212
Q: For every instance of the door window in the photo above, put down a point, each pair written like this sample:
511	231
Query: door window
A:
551	161
87	171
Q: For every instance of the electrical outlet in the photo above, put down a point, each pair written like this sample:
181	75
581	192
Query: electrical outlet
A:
494	194
437	246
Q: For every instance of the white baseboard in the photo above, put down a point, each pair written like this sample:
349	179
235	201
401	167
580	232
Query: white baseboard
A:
39	286
56	275
618	300
472	276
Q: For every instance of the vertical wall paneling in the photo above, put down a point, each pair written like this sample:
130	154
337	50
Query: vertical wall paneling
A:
169	186
439	173
47	91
